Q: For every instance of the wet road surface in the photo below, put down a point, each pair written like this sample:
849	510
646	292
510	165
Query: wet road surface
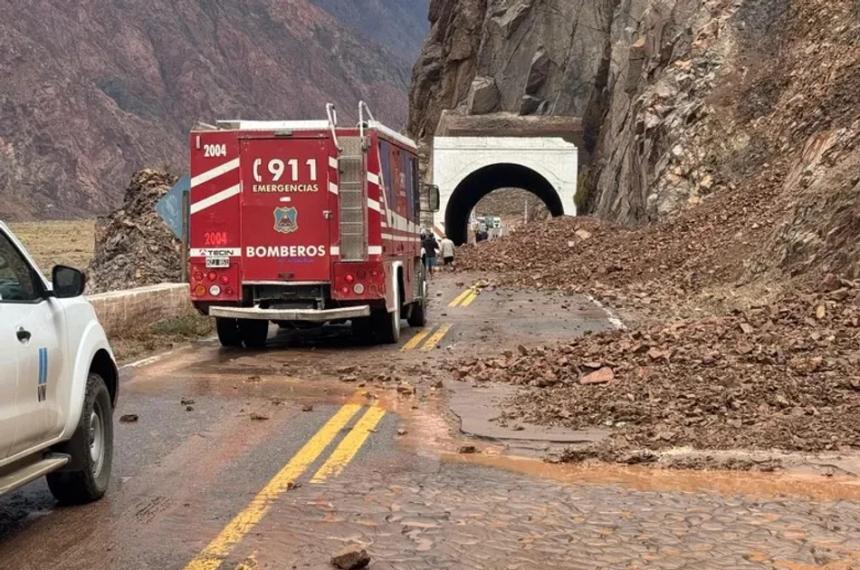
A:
267	460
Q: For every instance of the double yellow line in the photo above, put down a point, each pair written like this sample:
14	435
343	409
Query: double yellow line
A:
243	523
432	336
465	298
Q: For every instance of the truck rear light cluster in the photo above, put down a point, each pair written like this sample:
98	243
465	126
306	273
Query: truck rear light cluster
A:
212	282
359	280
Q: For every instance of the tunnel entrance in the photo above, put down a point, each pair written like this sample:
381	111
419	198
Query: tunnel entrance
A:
478	184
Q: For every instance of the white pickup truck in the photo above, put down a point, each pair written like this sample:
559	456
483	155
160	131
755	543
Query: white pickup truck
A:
58	381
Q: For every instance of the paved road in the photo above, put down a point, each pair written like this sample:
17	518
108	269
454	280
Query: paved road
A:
278	464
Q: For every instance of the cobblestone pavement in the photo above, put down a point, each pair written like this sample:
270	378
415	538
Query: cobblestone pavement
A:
422	514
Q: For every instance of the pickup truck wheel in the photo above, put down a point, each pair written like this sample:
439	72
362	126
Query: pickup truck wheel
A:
254	332
91	448
228	332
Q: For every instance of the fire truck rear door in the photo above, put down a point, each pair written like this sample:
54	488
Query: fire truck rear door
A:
286	209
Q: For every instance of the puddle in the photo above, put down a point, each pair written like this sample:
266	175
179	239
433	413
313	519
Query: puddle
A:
752	485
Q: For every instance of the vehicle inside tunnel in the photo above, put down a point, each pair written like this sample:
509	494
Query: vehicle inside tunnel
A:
485	180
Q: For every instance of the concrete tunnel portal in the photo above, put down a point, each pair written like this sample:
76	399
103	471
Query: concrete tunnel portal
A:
474	156
490	178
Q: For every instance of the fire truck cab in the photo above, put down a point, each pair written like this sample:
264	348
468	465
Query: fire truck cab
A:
298	222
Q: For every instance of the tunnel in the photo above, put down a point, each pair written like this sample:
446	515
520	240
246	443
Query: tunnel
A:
481	182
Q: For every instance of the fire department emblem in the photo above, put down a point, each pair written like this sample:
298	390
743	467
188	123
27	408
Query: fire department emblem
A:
286	220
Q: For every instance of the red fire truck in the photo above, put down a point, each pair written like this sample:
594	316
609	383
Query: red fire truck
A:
298	222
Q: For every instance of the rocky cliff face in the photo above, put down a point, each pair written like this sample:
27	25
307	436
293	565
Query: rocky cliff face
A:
683	101
95	90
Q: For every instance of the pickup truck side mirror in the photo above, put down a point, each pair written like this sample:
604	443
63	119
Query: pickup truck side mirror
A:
432	197
68	282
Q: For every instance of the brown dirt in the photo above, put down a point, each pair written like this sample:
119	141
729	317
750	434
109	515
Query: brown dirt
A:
783	375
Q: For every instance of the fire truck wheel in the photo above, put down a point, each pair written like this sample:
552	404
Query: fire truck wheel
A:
228	332
418	315
254	332
362	330
387	325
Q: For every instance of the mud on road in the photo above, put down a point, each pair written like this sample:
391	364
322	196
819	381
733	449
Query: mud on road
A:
271	460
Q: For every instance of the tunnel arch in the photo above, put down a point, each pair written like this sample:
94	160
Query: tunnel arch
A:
487	179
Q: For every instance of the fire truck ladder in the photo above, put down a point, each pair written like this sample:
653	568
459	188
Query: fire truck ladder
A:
353	200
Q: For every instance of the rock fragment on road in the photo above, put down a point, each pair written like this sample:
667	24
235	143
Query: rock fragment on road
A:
351	558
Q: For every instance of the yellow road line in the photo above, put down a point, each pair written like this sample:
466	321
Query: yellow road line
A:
437	336
350	445
460	297
213	555
469	298
415	340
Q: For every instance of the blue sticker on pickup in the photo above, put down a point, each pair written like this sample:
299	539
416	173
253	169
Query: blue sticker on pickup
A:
42	390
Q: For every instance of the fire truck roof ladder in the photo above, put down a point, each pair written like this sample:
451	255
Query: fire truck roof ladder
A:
353	201
362	124
331	114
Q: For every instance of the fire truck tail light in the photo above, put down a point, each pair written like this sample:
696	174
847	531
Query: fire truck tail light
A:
198	276
349	278
212	276
358	289
229	290
199	291
344	290
215	290
225	279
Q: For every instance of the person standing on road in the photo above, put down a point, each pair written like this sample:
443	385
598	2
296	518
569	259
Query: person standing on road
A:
446	248
431	246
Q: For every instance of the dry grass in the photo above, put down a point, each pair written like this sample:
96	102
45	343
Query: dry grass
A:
58	242
161	336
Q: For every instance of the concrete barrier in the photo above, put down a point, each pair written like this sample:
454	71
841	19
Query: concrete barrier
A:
120	311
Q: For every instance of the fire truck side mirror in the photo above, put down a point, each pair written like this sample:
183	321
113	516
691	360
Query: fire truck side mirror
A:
432	197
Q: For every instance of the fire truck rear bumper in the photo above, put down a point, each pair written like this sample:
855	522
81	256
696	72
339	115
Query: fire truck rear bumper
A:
308	315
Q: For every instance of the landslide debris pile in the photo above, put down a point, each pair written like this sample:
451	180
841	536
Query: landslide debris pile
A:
752	286
134	247
780	375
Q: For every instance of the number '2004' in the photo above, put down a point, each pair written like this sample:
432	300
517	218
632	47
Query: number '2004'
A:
215	238
214	150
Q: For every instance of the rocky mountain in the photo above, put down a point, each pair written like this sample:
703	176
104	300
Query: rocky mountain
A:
399	25
751	104
93	90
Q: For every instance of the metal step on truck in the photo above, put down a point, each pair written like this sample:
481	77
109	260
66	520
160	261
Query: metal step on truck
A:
305	222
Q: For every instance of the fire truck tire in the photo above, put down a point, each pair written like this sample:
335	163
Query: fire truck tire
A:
228	332
362	330
254	332
418	315
387	325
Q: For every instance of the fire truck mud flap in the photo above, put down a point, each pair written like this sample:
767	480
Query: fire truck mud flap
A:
308	315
